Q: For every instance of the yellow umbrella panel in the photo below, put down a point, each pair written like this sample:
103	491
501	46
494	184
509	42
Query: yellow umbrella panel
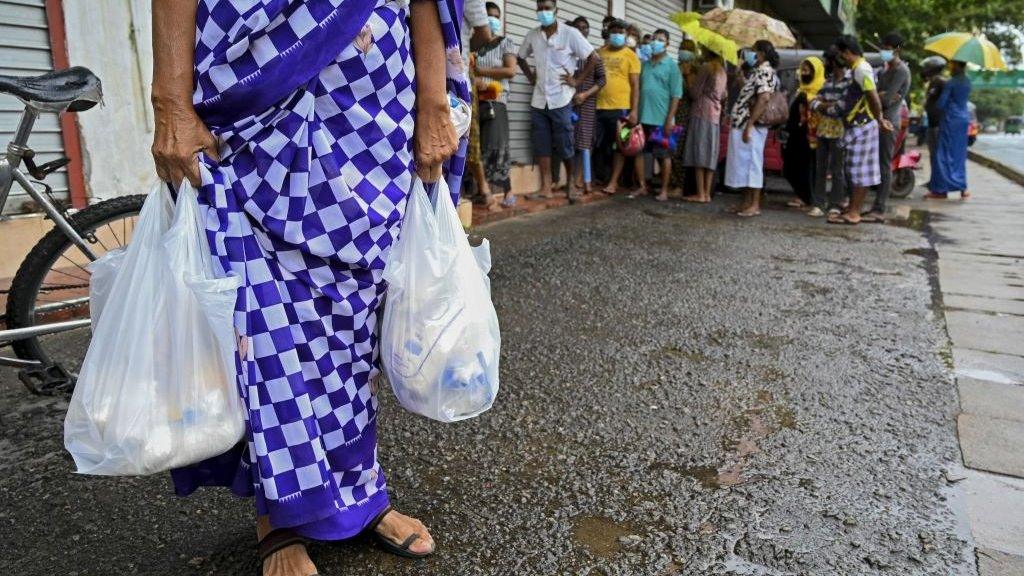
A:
966	47
689	22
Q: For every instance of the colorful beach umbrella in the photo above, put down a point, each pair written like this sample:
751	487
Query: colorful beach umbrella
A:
689	22
967	47
746	27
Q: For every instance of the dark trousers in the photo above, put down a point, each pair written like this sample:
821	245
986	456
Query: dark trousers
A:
886	150
605	126
829	158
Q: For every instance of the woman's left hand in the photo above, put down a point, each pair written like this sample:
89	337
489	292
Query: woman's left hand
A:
434	139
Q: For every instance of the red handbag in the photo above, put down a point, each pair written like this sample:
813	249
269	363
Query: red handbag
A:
631	140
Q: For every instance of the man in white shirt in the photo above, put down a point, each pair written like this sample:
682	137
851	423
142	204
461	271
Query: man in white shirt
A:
556	48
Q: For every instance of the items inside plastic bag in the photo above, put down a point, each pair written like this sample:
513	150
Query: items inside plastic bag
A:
157	389
440	340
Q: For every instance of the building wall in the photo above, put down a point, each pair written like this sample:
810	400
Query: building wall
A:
112	38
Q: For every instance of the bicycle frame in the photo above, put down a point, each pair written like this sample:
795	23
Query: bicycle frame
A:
10	172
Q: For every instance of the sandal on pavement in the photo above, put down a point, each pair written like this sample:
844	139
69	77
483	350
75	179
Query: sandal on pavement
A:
872	218
399	548
844	219
277	540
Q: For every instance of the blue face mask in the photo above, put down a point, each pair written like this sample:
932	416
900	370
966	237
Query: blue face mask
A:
495	24
686	56
644	51
546	17
617	40
657	47
750	58
886	55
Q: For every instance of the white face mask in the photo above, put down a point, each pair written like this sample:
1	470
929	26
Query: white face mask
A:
631	41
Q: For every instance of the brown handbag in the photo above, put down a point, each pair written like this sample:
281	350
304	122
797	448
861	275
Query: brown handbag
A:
776	111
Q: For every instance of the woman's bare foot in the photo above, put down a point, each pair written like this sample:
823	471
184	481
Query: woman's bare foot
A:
748	212
396	528
662	197
289	561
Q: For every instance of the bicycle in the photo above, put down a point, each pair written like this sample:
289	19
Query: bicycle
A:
47	315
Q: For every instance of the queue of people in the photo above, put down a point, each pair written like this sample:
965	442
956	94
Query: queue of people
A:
590	110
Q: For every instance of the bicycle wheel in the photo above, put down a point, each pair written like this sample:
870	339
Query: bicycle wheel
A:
52	284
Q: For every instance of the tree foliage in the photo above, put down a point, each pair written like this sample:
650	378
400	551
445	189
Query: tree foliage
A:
916	20
995	105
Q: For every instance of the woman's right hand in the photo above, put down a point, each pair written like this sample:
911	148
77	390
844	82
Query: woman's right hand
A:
180	136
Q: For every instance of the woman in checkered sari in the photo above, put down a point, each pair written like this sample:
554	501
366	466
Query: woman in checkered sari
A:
301	113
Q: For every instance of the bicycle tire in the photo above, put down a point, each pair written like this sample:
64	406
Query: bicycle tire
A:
33	270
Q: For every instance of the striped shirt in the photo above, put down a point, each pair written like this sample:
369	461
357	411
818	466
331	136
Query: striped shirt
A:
491	56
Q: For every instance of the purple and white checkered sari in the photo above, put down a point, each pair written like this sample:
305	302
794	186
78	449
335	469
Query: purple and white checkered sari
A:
313	103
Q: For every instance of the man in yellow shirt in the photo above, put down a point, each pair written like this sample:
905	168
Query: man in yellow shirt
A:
618	99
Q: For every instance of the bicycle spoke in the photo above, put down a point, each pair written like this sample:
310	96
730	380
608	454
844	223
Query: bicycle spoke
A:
112	231
87	273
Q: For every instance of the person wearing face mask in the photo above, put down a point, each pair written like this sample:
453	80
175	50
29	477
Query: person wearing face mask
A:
618	99
862	123
556	50
893	87
744	164
494	64
644	48
682	178
661	87
828	156
476	187
797	152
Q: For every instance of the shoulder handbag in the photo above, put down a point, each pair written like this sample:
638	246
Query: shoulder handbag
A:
776	111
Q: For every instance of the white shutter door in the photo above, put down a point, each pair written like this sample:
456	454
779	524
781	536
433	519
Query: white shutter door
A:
520	17
25	51
649	15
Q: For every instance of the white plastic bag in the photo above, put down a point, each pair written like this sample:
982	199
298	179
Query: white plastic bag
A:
439	340
157	388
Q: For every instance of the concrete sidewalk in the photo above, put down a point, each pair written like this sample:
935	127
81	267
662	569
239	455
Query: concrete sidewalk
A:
980	246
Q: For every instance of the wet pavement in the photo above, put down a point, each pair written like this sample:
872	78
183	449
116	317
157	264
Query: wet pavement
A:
1003	148
683	392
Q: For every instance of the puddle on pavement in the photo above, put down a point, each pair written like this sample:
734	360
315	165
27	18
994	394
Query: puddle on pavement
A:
812	289
918	220
600	534
678	352
921	252
706	476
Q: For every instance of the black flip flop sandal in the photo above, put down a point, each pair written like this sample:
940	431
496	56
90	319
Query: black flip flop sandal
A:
401	549
277	540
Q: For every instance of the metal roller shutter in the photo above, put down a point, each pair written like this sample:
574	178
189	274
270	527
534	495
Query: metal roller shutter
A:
520	17
25	51
649	15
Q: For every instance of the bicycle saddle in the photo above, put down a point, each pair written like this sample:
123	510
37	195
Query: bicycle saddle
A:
74	89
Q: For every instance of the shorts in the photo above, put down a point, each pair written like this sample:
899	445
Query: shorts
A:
552	132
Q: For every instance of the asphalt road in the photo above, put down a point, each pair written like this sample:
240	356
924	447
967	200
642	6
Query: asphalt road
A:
1005	148
683	392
